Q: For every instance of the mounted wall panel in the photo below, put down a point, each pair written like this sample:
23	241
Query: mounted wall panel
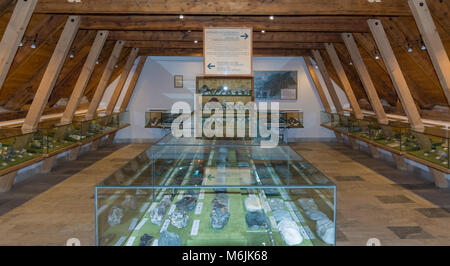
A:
344	80
51	74
328	82
365	77
13	35
323	97
395	73
433	42
104	81
133	82
84	77
123	78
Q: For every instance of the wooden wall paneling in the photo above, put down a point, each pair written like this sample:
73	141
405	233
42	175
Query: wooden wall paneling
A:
440	11
365	77
104	81
344	80
83	78
433	43
51	74
136	74
315	78
13	35
123	78
396	74
327	80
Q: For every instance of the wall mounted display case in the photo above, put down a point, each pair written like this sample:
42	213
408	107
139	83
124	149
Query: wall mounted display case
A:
431	145
193	192
225	89
159	118
17	148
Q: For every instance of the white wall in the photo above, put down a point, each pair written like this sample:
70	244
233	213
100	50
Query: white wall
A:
155	90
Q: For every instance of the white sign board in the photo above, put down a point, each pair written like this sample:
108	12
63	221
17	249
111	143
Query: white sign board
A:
228	51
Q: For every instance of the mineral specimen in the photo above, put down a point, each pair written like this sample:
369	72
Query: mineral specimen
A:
325	230
187	203
146	240
281	215
276	204
179	219
157	215
253	204
307	204
289	232
115	216
256	220
316	215
169	239
219	218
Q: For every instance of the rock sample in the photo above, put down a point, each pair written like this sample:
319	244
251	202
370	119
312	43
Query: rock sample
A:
256	220
115	216
146	240
307	204
187	203
276	204
252	204
129	202
219	214
157	214
316	215
179	219
289	232
325	230
281	215
167	238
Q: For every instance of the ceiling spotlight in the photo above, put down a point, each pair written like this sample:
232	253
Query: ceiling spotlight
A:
195	41
96	62
351	63
181	17
263	31
316	67
410	49
33	46
116	66
189	31
71	56
20	44
271	17
423	48
377	57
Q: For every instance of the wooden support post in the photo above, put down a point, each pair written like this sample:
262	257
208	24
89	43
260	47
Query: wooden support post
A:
327	80
47	164
95	144
374	151
73	154
133	82
365	78
354	143
344	80
323	97
7	181
123	78
439	178
400	162
339	137
110	139
104	80
433	43
396	74
13	35
51	74
83	78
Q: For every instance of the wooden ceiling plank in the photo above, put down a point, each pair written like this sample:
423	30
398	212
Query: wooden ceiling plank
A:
322	96
136	74
123	79
365	78
84	77
344	80
199	44
327	80
232	7
433	43
104	81
197	23
13	35
396	74
51	74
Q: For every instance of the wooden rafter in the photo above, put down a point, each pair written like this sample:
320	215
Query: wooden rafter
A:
134	79
319	89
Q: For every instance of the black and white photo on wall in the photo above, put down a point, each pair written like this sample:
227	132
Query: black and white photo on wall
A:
178	81
276	85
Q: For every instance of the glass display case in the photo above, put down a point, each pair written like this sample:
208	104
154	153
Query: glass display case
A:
430	145
17	148
103	124
158	118
195	192
60	136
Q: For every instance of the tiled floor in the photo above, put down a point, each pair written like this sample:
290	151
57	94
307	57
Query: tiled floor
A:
375	200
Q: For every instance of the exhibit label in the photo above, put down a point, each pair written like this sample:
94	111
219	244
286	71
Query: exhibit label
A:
228	51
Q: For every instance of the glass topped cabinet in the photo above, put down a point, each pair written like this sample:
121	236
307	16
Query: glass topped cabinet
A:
196	192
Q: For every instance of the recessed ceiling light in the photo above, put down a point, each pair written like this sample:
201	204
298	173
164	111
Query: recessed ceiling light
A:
20	44
377	57
263	31
271	17
181	17
351	63
195	41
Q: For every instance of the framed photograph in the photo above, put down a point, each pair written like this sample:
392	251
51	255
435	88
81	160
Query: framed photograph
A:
178	81
276	85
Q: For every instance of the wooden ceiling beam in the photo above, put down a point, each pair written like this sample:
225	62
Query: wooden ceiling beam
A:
199	45
134	79
199	52
308	37
232	7
197	23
